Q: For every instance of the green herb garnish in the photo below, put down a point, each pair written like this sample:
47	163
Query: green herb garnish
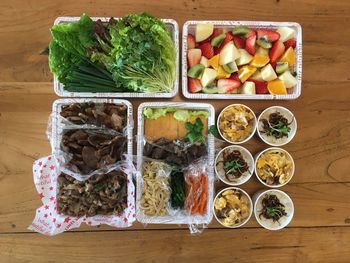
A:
195	131
177	184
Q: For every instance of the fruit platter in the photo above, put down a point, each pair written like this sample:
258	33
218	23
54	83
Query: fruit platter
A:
241	60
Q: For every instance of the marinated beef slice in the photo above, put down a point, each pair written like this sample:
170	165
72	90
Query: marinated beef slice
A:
103	194
92	149
107	115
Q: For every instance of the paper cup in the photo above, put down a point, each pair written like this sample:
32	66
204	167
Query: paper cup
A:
247	156
270	140
254	124
291	173
268	223
250	206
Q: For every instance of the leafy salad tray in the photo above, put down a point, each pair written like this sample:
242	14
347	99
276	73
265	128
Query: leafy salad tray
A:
171	25
189	29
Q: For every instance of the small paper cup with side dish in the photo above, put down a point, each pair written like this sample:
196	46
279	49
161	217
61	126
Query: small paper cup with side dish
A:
219	165
260	160
269	223
271	140
223	123
237	218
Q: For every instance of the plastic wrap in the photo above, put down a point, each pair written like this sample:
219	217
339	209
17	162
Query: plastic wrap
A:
91	135
49	221
174	172
174	32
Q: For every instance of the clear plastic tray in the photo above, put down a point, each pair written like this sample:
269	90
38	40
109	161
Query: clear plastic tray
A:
185	219
293	93
174	32
56	120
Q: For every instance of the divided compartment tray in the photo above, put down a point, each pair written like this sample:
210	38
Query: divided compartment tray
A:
178	219
174	32
293	93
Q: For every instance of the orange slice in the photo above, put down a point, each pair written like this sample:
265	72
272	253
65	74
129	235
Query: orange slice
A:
214	62
245	72
276	87
222	74
289	56
259	60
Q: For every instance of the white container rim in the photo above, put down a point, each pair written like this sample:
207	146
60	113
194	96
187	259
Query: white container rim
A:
240	148
250	205
263	24
290	138
289	156
253	130
58	87
271	191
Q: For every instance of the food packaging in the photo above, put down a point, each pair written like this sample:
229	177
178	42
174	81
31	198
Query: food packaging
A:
247	156
292	169
59	125
285	200
174	32
293	93
195	222
49	222
254	124
250	207
270	140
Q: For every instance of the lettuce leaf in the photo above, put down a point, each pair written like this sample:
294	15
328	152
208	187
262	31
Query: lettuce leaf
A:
75	37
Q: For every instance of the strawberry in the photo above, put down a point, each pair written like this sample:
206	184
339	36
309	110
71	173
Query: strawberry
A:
273	64
250	44
239	42
207	50
250	33
194	85
227	85
194	57
260	86
191	42
276	51
227	39
271	36
290	43
234	76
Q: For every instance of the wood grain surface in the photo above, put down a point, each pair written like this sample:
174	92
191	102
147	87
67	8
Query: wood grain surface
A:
320	189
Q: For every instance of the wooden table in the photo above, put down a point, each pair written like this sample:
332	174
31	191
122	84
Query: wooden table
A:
320	230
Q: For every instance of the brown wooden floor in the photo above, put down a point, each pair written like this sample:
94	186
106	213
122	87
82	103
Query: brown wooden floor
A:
320	231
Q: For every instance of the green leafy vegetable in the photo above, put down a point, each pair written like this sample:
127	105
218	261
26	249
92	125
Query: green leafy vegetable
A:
177	184
195	131
213	130
143	54
75	37
154	114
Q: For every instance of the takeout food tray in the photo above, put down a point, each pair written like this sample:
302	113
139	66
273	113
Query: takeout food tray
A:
178	219
57	125
174	33
293	93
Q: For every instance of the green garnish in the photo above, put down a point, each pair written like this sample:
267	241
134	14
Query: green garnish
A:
233	166
213	130
194	131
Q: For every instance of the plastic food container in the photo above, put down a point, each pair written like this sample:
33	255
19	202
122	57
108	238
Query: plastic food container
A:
288	156
270	140
174	32
247	156
254	124
284	199
293	93
177	218
57	125
250	206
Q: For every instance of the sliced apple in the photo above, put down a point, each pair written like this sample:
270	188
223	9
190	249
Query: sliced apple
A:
244	57
203	31
229	54
288	79
267	73
208	76
204	61
257	76
248	88
285	33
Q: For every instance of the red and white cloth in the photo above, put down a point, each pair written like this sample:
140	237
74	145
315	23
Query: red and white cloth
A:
49	222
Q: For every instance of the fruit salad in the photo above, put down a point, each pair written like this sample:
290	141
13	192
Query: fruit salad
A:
241	61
